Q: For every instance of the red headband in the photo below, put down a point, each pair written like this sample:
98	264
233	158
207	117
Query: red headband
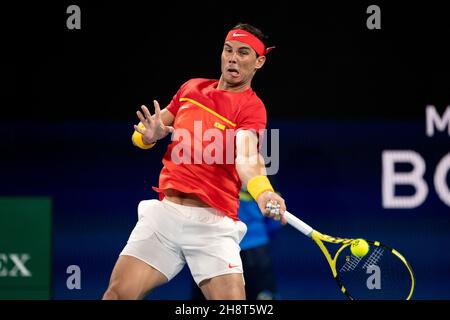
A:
250	39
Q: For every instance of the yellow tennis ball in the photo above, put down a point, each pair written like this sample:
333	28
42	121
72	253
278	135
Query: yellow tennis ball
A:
359	248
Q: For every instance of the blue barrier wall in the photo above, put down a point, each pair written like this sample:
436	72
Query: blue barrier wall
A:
330	175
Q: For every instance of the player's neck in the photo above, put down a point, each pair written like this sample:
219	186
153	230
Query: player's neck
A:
223	85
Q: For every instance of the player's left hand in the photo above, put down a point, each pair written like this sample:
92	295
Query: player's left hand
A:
154	128
272	205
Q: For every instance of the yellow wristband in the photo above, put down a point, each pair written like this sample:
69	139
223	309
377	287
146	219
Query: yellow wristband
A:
139	142
257	185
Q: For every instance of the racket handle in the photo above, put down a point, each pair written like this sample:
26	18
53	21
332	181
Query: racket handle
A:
298	224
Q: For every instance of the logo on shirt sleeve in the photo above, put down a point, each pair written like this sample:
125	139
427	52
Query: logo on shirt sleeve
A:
219	125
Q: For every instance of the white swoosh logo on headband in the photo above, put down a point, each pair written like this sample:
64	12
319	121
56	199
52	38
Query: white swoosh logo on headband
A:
239	34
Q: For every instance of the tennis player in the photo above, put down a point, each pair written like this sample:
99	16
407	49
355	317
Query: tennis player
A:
195	220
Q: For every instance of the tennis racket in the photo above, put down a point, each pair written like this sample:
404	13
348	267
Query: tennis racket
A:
382	274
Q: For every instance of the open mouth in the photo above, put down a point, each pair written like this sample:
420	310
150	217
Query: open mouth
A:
233	72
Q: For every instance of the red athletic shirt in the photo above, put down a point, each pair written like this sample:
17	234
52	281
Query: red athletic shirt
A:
206	166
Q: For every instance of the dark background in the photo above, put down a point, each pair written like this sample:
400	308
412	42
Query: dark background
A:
327	63
339	93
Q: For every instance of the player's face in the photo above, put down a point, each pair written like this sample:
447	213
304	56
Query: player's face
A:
239	62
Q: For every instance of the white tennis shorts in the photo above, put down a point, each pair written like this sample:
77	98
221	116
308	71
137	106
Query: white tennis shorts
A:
169	235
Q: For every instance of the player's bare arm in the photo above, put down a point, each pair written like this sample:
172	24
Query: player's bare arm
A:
154	127
250	164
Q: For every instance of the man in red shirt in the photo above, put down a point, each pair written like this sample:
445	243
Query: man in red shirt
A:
215	126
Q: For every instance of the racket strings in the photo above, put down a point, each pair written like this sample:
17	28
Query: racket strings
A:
373	258
378	275
350	264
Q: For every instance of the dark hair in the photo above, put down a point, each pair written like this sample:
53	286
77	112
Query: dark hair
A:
254	31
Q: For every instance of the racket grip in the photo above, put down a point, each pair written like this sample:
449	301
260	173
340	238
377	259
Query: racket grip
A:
298	224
